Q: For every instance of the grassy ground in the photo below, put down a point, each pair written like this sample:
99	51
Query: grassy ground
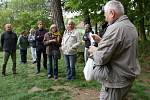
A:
28	86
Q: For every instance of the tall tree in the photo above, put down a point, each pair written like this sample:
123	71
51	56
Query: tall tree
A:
24	14
56	11
88	9
140	5
86	17
137	12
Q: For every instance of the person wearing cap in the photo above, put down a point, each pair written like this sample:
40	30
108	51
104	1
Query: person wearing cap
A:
40	47
116	54
70	42
9	43
52	40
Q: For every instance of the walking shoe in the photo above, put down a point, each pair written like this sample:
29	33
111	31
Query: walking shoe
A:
37	72
33	62
55	77
49	76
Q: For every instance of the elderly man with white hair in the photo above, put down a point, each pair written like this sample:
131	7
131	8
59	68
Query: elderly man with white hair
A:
70	42
116	63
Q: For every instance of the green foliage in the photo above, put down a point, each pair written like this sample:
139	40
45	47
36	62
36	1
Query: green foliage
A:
86	5
23	14
137	10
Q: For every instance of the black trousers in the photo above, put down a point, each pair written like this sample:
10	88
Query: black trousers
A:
23	53
39	52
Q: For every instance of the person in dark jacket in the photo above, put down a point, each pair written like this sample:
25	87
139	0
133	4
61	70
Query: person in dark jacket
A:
8	43
40	47
88	42
52	40
23	45
103	29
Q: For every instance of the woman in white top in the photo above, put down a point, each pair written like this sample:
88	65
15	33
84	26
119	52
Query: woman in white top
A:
32	43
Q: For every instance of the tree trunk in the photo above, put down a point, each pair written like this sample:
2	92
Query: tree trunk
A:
141	21
96	28
86	17
57	17
142	29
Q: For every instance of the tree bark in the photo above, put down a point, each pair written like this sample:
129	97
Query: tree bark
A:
86	17
96	28
57	17
141	21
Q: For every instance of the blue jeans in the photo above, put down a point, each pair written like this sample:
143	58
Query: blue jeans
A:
70	64
50	68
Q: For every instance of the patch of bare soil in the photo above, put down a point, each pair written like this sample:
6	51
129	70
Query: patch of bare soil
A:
79	94
34	89
87	95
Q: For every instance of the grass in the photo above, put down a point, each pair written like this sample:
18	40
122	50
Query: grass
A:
28	86
20	87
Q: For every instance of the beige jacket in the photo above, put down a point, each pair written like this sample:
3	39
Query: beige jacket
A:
118	49
70	42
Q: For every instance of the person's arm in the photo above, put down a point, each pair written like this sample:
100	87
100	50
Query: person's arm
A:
107	46
45	40
85	37
19	40
2	40
75	46
48	41
30	39
16	38
96	38
38	36
58	40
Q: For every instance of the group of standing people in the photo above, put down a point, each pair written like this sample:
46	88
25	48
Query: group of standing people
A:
115	51
42	42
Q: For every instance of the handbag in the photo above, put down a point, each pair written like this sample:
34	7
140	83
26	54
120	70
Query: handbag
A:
88	70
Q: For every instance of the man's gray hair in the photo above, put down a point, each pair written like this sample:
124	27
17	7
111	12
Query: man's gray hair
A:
71	22
114	5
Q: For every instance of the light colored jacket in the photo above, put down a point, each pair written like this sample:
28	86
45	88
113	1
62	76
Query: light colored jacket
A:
70	42
118	50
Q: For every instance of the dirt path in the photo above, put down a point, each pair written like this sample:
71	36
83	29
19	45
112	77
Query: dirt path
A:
76	93
80	94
